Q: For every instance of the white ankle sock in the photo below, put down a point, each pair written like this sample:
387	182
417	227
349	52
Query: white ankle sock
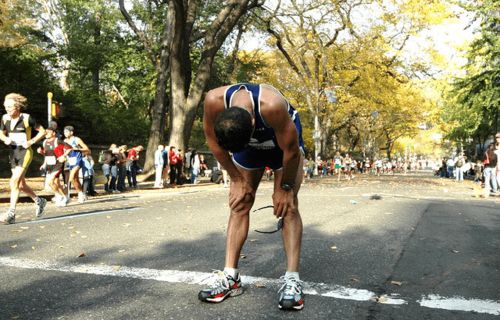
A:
290	274
231	272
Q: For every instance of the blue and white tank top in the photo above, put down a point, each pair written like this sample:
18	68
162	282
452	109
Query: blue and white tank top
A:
263	137
74	156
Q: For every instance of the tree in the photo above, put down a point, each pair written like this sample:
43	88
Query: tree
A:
188	30
474	101
15	22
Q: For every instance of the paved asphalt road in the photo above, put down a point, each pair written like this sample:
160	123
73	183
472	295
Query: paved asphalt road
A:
424	248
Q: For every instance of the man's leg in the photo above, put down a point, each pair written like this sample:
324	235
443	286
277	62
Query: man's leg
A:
15	185
237	228
291	296
40	203
292	224
229	281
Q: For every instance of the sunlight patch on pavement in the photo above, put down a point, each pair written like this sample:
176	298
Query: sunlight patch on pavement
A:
78	215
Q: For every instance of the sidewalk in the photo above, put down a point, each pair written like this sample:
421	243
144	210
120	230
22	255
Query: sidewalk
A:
37	184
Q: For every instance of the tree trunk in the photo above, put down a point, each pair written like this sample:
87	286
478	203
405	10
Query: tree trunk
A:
186	96
158	111
97	62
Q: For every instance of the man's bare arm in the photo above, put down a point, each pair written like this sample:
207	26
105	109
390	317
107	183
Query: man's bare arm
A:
287	138
211	109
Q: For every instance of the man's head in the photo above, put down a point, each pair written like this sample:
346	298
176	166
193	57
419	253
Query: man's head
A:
68	131
14	103
50	133
233	128
53	125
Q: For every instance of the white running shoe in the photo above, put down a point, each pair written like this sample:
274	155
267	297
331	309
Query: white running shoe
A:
81	197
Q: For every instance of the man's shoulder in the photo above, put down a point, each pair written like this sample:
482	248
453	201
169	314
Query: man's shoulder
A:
215	94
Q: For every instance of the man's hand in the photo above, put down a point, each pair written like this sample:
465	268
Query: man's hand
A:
27	144
241	194
282	202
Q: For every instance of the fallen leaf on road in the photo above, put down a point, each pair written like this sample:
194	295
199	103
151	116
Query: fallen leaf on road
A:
81	255
108	217
242	256
42	227
32	248
71	227
84	237
334	248
61	247
14	246
260	285
253	240
354	279
397	283
126	225
121	250
38	240
455	251
24	228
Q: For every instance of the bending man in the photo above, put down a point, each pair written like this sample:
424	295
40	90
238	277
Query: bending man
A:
260	127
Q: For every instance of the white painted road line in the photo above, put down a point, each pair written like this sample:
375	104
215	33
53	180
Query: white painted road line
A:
458	303
310	288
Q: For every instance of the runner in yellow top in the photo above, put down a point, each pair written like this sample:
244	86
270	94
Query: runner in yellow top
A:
16	130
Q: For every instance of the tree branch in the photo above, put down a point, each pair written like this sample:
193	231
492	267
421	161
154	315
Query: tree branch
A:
141	35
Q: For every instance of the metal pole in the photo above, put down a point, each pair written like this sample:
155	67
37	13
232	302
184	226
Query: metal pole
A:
49	107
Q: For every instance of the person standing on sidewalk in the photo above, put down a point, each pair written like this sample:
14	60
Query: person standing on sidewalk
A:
497	152
490	165
172	161
16	130
260	128
459	165
159	166
194	166
133	165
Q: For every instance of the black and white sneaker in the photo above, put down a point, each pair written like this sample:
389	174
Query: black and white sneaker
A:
291	296
40	207
9	217
224	286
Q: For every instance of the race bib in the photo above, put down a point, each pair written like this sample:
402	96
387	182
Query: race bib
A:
50	160
18	138
72	161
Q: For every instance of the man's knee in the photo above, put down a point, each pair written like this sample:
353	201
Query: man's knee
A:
14	183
